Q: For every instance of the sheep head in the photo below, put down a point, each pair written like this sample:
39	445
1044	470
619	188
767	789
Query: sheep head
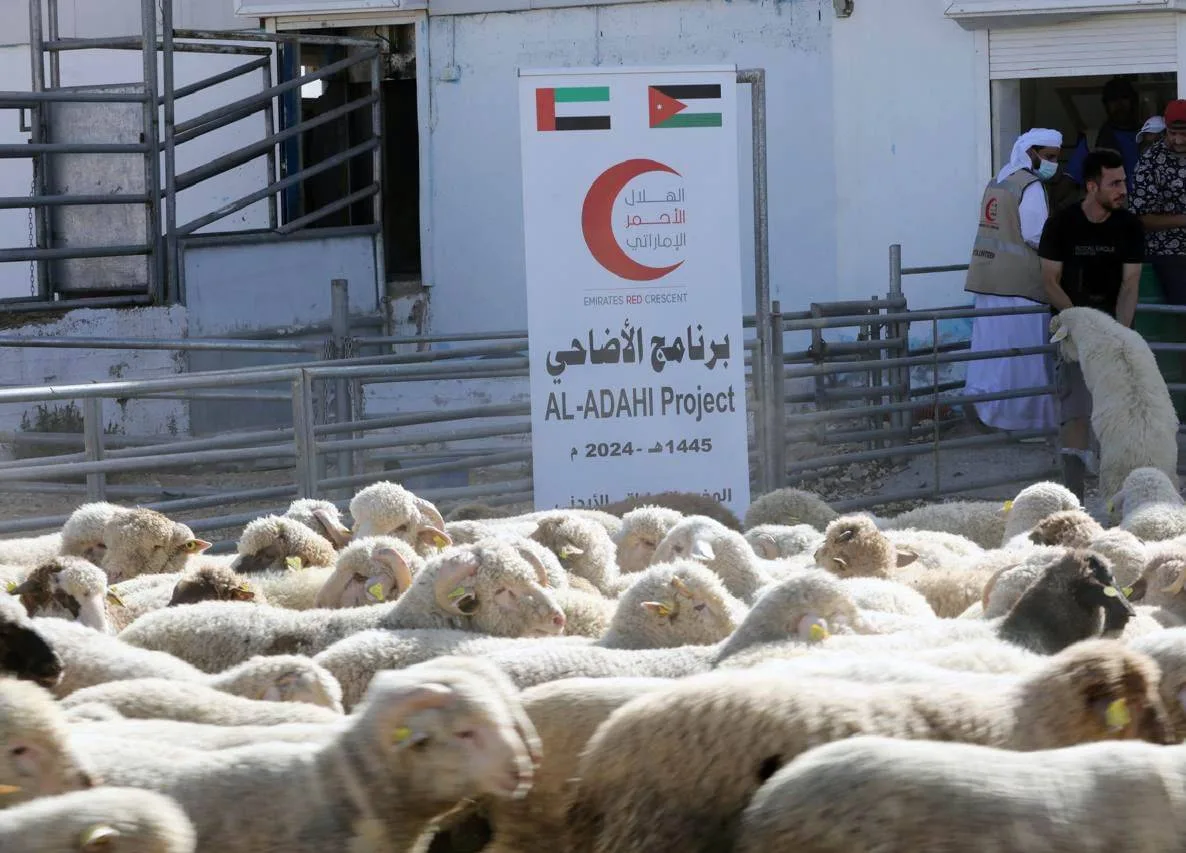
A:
642	531
211	582
1103	690
144	542
388	509
1061	325
498	588
370	571
447	735
272	541
69	588
322	518
855	547
1144	486
694	538
24	653
36	759
1163	578
1070	528
688	605
83	533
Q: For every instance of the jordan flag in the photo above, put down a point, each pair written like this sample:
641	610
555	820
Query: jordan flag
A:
684	106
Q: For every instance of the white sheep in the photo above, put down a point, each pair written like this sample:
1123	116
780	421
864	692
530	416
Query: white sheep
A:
371	570
982	522
272	541
192	701
322	517
778	541
424	739
1132	414
584	548
1032	504
1149	506
100	820
37	759
67	588
724	551
884	795
745	726
789	506
642	531
388	509
143	542
490	587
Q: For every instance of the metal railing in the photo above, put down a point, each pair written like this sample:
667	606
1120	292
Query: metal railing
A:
165	239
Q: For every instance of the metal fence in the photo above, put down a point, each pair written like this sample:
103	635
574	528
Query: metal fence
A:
54	208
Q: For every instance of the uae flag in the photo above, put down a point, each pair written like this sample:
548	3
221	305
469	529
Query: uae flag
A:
685	106
572	108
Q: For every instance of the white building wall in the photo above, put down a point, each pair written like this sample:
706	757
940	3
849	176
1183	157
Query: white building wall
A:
908	147
476	204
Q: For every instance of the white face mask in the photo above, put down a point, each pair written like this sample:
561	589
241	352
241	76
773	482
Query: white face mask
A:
1047	169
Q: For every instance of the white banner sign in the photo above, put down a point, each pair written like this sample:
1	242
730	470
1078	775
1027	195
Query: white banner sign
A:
631	199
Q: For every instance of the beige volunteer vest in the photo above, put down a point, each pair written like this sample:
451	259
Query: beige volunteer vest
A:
1002	264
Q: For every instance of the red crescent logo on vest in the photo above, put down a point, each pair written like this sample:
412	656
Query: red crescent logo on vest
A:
990	210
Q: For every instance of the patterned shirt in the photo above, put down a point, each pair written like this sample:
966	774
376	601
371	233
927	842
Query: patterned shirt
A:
1160	187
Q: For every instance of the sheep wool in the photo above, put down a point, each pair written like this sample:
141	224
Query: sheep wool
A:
67	588
628	799
388	509
38	760
423	740
1132	414
127	820
145	542
885	795
982	522
789	507
322	517
1150	506
642	531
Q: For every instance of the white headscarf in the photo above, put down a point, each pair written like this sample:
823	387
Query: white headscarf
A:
1041	137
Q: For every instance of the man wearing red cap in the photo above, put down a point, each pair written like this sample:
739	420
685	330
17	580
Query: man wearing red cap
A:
1159	199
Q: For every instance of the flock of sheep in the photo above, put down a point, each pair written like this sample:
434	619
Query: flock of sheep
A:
660	677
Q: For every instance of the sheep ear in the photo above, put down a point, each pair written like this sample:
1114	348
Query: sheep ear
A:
765	546
389	558
242	593
399	703
906	557
113	598
374	590
702	550
430	512
1175	586
568	551
99	837
845	535
434	536
453	576
1058	335
339	534
659	608
541	573
813	628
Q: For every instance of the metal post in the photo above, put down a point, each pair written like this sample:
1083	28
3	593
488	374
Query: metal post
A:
899	376
39	128
92	437
340	324
935	405
763	384
777	407
377	177
172	283
305	438
269	131
152	157
55	58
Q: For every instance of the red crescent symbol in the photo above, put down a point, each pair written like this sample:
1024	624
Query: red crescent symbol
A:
597	215
990	210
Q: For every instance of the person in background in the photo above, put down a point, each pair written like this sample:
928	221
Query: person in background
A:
1153	130
1159	199
1005	273
1091	256
1118	132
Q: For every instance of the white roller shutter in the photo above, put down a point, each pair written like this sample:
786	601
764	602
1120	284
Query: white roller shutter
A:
1130	43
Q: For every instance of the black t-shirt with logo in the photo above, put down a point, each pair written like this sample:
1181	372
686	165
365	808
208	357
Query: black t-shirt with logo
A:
1093	254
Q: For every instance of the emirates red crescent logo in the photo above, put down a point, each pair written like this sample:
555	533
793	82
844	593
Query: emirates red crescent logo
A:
990	210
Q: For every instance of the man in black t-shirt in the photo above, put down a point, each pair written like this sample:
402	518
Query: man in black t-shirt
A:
1091	256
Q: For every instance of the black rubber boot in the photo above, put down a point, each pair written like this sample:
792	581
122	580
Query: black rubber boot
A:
1074	474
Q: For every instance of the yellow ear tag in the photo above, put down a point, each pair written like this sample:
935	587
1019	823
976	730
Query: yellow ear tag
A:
457	593
440	541
12	585
10	789
293	563
114	598
1127	592
1111	507
663	610
401	734
1111	592
1007	505
565	553
1117	716
376	591
818	632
